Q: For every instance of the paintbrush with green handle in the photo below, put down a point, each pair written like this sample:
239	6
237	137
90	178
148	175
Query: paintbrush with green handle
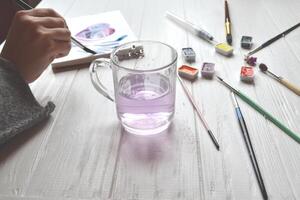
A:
262	111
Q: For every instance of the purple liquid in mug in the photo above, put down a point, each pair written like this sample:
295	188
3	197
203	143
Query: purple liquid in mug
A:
145	103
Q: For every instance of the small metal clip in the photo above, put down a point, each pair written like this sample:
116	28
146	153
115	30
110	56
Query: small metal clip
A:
130	53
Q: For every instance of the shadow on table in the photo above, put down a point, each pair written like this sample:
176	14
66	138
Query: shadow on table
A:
147	149
15	143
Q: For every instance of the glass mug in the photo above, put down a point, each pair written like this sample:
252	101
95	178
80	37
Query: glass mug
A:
144	77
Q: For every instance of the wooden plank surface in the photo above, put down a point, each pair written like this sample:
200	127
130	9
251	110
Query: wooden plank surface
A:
83	153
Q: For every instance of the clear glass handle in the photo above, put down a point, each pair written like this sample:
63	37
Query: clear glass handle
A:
101	62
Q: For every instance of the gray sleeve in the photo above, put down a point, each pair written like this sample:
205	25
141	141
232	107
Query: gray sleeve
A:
19	110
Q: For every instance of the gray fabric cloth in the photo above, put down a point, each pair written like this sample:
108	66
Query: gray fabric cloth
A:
19	110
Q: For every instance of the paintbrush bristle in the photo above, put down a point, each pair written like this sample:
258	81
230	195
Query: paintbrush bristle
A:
263	67
220	78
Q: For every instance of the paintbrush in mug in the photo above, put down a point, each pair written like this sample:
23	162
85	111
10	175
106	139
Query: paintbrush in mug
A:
280	79
25	6
262	111
193	102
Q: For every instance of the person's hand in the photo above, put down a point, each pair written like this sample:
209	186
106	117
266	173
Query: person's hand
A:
36	37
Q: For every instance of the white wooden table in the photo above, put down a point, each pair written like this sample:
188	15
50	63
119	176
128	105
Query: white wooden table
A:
81	152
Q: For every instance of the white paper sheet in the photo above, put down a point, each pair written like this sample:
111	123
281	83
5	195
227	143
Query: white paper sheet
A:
101	33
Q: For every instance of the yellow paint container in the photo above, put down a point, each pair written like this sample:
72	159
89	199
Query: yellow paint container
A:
224	49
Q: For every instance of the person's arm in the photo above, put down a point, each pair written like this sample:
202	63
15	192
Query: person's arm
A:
18	108
35	38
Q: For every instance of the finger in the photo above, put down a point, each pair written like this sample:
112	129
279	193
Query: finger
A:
60	55
46	12
61	49
43	12
61	34
50	22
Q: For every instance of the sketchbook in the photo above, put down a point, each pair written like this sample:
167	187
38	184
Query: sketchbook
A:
101	33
